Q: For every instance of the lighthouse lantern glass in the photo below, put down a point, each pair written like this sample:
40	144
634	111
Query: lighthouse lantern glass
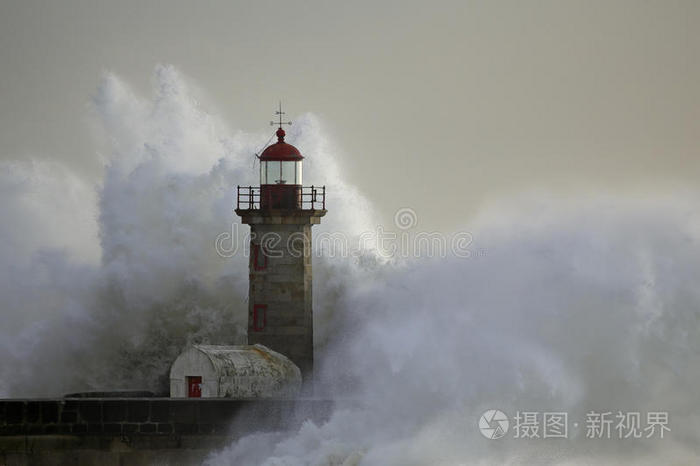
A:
280	172
287	173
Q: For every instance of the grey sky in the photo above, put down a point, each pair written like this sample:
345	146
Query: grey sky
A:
440	106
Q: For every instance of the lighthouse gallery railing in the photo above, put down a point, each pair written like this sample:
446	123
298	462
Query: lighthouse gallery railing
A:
312	198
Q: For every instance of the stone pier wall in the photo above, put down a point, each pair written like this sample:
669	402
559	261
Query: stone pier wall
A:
138	431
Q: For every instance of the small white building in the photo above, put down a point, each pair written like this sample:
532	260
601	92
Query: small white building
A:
245	371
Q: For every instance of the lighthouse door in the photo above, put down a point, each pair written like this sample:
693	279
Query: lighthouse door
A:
194	387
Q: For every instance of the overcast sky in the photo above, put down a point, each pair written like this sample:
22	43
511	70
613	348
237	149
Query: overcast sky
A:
440	106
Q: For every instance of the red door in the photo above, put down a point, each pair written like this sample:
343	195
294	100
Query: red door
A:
194	386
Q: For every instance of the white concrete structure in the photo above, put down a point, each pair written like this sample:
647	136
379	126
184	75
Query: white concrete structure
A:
246	371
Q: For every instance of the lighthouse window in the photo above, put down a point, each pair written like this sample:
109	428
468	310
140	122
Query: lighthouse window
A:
269	171
278	172
287	173
298	174
259	317
259	257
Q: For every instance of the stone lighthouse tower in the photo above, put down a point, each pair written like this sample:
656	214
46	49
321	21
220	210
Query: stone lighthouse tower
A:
280	213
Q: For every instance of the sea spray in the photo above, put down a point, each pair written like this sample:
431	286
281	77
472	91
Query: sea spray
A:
568	306
103	286
574	307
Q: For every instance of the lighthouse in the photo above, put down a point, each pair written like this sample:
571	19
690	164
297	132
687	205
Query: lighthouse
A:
281	212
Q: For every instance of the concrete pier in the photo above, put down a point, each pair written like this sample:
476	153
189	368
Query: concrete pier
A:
138	431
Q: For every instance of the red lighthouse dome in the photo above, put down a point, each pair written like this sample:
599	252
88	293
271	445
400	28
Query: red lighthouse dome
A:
280	163
281	151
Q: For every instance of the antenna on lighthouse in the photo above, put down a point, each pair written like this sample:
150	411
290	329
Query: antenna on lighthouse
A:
279	113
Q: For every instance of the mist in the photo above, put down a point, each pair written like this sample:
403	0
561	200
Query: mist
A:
104	285
572	307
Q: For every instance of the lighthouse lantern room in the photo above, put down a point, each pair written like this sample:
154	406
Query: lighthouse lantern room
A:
280	175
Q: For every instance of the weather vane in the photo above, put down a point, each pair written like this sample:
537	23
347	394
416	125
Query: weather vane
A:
279	113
